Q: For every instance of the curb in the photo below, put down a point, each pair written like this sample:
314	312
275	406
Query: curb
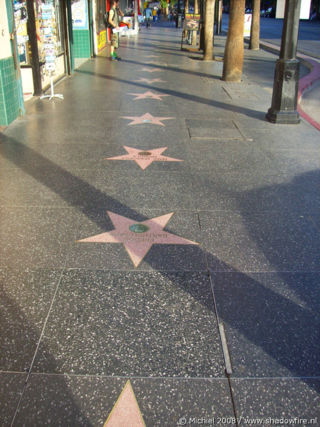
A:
305	82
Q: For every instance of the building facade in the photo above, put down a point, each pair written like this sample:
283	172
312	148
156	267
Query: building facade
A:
44	40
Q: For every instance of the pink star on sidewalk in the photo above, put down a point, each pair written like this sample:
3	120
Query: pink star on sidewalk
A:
150	81
148	95
151	70
146	118
126	411
144	158
138	237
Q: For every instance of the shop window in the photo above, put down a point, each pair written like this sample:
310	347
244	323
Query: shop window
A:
21	19
100	13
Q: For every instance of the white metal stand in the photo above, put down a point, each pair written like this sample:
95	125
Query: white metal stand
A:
52	95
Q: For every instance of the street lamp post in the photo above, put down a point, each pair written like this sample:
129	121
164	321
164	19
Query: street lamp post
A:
286	77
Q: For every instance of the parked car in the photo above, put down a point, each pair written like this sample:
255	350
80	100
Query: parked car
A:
270	13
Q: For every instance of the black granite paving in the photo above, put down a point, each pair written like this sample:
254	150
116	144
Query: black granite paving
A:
79	319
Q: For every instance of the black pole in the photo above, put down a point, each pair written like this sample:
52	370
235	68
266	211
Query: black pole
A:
202	10
32	33
286	78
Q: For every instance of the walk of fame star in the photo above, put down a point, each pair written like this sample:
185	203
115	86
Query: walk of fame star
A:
144	158
151	70
150	81
151	56
146	118
126	411
148	95
138	237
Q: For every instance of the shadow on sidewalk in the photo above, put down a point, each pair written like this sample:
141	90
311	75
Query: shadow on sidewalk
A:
177	52
258	115
30	336
275	324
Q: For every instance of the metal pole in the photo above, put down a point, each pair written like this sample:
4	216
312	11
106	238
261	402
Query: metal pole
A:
218	19
136	21
286	78
32	33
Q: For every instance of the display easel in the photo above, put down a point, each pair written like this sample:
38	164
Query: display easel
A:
52	94
49	46
191	25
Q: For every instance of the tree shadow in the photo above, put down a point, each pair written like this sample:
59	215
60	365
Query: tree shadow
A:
288	238
156	50
15	341
258	115
273	323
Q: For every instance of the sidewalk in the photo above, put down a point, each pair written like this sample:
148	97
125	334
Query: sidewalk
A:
147	217
307	52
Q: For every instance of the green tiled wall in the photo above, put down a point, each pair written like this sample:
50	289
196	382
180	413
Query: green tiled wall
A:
9	92
81	44
11	96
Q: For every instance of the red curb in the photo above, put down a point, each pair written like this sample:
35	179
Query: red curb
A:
305	82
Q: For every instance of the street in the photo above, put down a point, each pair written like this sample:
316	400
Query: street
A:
271	30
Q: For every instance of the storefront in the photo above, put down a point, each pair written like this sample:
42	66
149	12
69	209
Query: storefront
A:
100	26
42	42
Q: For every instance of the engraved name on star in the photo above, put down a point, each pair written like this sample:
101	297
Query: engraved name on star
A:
148	95
151	70
150	81
146	118
144	158
138	237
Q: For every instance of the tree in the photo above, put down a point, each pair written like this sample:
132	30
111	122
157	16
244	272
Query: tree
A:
208	30
233	53
255	26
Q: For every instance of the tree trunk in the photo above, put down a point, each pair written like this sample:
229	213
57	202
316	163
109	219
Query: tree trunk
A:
255	26
233	53
208	30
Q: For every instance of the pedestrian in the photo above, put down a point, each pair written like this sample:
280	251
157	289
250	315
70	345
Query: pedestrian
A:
159	14
114	20
148	15
154	14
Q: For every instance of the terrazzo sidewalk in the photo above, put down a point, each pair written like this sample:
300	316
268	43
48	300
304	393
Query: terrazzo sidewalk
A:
153	224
